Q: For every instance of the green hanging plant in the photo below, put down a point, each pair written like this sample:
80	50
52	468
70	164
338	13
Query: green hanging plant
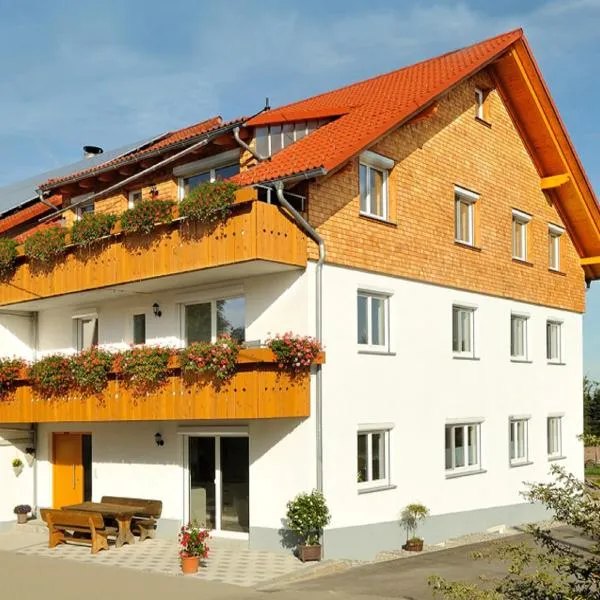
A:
144	216
8	257
91	228
210	202
218	359
143	368
46	244
10	369
51	376
90	369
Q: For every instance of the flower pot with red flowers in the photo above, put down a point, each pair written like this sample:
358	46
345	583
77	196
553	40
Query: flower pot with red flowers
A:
192	547
295	353
217	359
307	514
22	511
410	517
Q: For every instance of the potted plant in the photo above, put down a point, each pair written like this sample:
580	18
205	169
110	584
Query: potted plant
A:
17	465
307	515
410	517
192	547
22	510
30	455
295	353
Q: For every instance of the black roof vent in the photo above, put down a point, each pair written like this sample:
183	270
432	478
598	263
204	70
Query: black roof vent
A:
90	151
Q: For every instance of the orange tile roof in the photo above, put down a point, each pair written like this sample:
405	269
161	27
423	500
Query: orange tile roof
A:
163	142
372	108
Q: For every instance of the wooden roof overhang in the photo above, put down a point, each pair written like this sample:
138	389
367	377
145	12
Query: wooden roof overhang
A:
562	176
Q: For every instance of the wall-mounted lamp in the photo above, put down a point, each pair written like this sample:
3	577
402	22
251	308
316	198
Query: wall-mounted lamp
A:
158	439
156	310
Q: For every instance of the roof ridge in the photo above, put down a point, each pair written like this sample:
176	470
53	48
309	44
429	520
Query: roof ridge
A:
518	31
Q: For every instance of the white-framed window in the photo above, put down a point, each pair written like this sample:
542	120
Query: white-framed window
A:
554	235
481	105
373	456
518	336
374	170
463	331
554	341
86	331
372	323
464	216
554	436
520	221
270	139
207	320
463	447
81	206
134	197
518	440
139	328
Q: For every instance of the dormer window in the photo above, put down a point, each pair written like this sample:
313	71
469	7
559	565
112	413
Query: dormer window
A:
273	138
374	171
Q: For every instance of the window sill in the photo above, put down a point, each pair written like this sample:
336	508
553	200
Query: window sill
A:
553	458
465	473
556	364
521	464
377	219
375	351
557	272
483	122
522	261
465	357
521	360
378	488
467	245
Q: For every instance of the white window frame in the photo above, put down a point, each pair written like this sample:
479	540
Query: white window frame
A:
369	430
369	346
554	234
210	164
78	320
558	452
559	342
454	470
525	318
463	196
131	198
381	164
80	202
133	316
522	219
514	424
288	133
480	99
471	310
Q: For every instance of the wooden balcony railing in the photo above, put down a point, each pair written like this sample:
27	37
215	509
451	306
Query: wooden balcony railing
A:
255	231
258	390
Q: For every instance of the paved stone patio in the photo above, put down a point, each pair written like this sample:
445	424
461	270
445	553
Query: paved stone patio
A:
229	561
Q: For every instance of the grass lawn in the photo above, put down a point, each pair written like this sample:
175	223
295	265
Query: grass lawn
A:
592	471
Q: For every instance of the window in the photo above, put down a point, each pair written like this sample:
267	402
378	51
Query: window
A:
520	221
481	104
554	430
463	330
206	321
518	442
372	321
189	183
139	329
374	170
462	447
81	207
86	332
464	202
518	337
553	341
554	234
373	458
273	138
134	198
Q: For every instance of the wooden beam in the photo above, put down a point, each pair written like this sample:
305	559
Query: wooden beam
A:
86	184
106	177
554	181
126	171
590	260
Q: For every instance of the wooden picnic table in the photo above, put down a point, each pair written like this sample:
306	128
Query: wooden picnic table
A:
121	513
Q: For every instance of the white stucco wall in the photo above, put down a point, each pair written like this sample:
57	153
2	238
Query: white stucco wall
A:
420	385
16	336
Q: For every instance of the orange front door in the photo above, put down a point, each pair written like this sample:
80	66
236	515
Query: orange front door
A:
67	469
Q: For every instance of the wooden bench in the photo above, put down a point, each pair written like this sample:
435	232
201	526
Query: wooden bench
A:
144	522
73	525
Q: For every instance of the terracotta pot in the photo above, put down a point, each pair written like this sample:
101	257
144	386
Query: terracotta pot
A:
22	518
415	545
306	553
189	564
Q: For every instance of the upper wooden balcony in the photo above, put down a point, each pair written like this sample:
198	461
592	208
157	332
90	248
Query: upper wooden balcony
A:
256	233
258	390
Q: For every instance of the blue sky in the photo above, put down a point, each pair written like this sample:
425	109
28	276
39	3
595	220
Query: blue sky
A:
112	72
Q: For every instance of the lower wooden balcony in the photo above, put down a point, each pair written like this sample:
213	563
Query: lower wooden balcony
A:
258	390
257	238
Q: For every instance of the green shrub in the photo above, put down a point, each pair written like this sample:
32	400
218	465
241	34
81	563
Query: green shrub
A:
91	228
307	514
8	257
46	244
209	203
144	216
